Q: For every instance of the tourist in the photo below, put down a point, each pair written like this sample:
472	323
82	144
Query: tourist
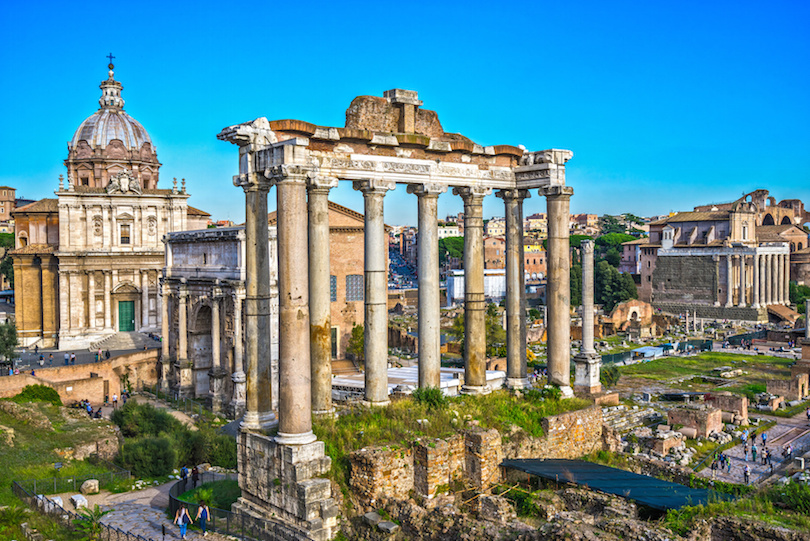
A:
202	515
67	360
714	468
182	519
96	357
72	358
754	453
745	452
36	349
184	475
195	476
115	401
41	359
764	438
99	354
107	354
98	413
747	474
50	359
808	414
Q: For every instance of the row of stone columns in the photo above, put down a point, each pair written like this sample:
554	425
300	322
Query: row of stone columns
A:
769	279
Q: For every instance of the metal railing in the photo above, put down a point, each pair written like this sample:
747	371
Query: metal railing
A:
238	525
757	335
72	483
47	506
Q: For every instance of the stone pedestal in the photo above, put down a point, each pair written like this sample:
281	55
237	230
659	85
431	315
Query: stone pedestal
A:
586	374
184	385
281	483
237	406
216	394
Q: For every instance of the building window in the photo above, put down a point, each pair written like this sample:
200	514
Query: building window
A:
125	234
354	287
205	258
85	181
333	288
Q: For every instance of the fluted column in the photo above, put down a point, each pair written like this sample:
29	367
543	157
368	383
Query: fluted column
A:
145	299
558	289
475	342
515	289
773	283
108	300
729	281
588	363
64	302
755	281
258	412
216	375
164	335
294	366
376	292
320	303
429	324
91	300
742	277
215	323
786	278
237	406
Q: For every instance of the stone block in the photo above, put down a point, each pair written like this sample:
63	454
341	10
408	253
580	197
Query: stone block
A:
388	527
496	509
78	501
430	466
482	457
89	487
704	421
372	518
689	432
57	501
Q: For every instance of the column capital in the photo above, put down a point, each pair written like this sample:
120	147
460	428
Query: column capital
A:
508	195
216	293
318	183
557	191
552	155
587	246
472	194
429	189
253	182
291	173
374	186
239	290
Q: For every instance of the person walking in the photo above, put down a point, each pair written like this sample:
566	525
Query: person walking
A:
754	453
203	513
72	358
764	438
67	361
96	357
747	474
195	476
714	468
41	359
50	359
184	476
183	519
115	401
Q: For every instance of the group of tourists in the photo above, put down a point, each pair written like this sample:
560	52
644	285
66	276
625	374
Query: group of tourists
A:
182	518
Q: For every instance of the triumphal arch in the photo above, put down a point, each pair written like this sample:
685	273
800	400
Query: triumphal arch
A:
386	141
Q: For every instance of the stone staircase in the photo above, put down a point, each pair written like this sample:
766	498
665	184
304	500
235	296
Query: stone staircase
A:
344	367
124	340
622	418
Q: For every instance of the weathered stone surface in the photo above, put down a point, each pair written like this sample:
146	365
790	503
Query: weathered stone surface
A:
704	421
388	527
78	501
372	518
496	509
90	486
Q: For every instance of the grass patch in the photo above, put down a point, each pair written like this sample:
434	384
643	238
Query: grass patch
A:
16	514
795	410
760	367
218	494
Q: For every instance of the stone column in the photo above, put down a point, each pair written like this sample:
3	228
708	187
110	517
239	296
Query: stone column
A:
773	292
755	280
686	322
475	343
320	301
428	287
91	300
587	362
108	300
786	278
515	290
64	301
294	366
217	373
743	280
729	281
259	410
182	325
376	292
237	406
164	335
145	299
558	292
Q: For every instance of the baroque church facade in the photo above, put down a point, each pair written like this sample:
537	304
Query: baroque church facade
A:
87	263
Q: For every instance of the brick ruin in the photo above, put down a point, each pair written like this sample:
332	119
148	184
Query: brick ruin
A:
704	421
734	407
791	389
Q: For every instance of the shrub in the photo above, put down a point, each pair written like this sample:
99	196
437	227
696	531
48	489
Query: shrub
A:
149	456
609	376
144	420
38	393
432	397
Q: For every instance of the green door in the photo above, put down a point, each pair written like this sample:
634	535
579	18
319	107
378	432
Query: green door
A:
126	316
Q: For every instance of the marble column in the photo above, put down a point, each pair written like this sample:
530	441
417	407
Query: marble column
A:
729	281
515	290
475	306
755	280
773	294
108	325
294	366
182	325
237	406
429	324
786	278
259	403
320	300
558	289
64	302
91	300
743	280
217	373
145	299
164	337
77	287
587	362
376	292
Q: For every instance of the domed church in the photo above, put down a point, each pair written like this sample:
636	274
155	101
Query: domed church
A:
87	263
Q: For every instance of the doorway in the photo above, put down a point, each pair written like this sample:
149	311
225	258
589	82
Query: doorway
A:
126	316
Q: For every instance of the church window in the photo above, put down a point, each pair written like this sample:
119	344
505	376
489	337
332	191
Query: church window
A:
333	288
125	234
354	287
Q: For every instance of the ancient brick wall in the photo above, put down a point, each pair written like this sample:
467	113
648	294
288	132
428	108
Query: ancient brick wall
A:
685	279
431	466
704	421
713	312
378	472
729	402
794	388
482	458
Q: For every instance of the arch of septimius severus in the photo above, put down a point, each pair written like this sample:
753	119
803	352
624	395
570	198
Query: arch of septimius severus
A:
386	141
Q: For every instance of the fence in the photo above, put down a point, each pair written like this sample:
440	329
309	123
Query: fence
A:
64	517
758	335
238	525
58	485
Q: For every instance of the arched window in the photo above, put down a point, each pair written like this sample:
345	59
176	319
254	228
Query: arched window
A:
767	220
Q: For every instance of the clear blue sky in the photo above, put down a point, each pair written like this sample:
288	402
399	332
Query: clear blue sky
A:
665	104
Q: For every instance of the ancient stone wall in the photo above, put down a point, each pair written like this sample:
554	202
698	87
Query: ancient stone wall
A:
731	403
736	313
794	388
704	421
381	471
482	458
685	279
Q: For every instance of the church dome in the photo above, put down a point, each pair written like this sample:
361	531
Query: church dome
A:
110	122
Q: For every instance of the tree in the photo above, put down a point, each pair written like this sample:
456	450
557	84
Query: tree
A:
576	285
356	348
610	224
452	247
495	333
613	256
612	287
8	341
613	240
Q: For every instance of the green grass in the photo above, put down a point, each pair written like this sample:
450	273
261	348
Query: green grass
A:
219	494
16	514
790	412
761	368
33	455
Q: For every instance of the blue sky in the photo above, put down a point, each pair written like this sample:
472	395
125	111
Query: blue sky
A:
665	105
